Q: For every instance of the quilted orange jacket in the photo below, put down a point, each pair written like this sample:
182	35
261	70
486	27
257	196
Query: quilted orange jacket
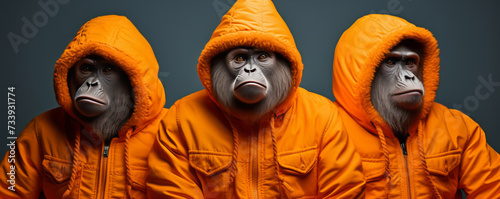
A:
446	150
57	159
301	151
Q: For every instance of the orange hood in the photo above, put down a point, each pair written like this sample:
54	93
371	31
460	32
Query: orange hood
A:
252	23
362	48
116	39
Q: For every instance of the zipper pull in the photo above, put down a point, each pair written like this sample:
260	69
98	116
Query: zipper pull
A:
403	147
106	151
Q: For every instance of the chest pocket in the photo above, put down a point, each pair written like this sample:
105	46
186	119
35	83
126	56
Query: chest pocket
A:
57	170
212	169
299	172
138	175
374	170
56	175
443	168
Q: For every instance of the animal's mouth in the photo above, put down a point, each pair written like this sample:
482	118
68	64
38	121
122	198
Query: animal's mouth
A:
90	99
410	92
250	83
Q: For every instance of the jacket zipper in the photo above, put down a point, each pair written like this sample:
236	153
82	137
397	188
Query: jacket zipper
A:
407	172
255	164
102	174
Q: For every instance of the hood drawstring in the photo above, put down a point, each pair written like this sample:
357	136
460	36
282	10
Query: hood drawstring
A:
127	164
381	137
422	157
76	161
234	168
288	189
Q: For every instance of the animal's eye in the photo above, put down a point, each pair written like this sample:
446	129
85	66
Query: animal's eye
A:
87	68
410	62
390	61
239	58
263	56
108	68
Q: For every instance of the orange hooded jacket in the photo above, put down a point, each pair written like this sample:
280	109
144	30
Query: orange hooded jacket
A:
54	155
301	151
446	150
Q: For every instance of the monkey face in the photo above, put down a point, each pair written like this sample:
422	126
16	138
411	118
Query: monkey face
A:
250	84
102	96
401	73
250	81
95	84
397	90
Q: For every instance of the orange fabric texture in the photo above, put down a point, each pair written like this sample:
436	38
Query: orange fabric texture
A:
447	150
300	151
56	156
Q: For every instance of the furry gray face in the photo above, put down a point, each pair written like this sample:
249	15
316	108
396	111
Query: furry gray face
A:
397	90
250	82
101	94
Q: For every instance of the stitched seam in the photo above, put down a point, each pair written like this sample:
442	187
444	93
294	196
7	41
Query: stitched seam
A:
439	155
287	153
197	152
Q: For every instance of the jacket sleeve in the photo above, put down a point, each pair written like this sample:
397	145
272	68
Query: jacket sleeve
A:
22	158
480	167
171	175
340	173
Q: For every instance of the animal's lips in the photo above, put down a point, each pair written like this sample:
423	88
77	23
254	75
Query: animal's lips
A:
90	99
410	91
250	82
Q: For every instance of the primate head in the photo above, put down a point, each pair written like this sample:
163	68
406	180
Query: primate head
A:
397	89
101	94
250	82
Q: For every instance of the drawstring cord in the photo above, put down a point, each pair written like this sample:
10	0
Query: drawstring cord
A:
233	169
288	189
386	155
422	157
76	167
127	164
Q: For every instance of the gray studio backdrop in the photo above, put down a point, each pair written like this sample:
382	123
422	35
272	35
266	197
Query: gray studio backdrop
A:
467	32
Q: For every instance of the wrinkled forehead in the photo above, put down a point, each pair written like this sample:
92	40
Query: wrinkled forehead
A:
97	59
408	45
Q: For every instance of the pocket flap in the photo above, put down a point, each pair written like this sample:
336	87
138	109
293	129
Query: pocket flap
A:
209	162
373	168
443	163
139	175
60	170
300	161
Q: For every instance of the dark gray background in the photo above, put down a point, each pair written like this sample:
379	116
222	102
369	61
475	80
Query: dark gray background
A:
468	35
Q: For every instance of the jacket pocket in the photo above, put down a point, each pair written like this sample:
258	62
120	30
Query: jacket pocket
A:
56	175
374	169
375	176
443	163
211	168
57	170
299	172
138	175
443	168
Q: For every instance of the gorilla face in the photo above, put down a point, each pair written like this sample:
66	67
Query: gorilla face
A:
101	94
397	90
250	82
